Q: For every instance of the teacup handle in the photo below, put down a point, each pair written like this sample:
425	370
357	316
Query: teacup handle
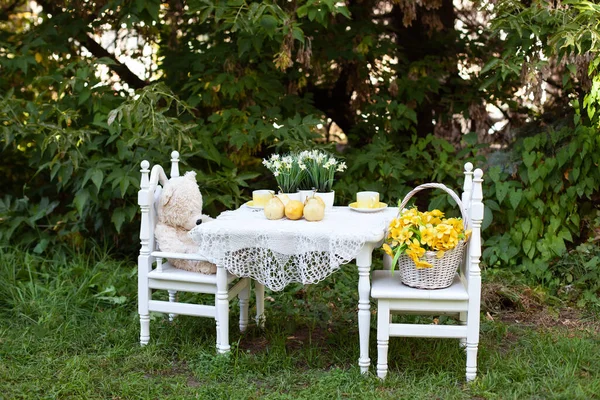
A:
373	201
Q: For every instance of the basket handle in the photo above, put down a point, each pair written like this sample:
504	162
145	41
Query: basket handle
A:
436	186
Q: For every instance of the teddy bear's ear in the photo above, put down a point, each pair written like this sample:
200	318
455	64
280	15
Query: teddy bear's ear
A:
191	175
166	195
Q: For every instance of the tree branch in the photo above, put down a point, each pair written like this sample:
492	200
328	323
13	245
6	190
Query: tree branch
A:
117	67
97	50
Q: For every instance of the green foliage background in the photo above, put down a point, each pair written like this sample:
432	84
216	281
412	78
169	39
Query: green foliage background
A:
222	73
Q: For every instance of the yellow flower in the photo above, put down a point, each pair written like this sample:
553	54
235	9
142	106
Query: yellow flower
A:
430	218
405	235
428	235
437	213
456	223
415	247
443	229
420	264
413	233
388	250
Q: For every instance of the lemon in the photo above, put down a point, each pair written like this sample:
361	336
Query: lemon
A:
294	209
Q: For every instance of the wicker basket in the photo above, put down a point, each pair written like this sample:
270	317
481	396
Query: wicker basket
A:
443	269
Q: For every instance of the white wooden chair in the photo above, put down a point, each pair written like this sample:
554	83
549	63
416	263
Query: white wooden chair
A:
461	299
156	274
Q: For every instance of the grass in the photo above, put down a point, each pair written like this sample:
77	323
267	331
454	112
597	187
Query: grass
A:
69	330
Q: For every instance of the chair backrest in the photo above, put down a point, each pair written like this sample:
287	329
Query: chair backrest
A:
472	199
150	188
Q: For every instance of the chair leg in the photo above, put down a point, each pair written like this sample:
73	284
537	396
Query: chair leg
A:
471	361
222	303
383	337
144	329
472	346
243	299
259	292
462	319
172	299
218	341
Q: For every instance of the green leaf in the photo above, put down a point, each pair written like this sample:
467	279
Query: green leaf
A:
470	138
344	11
298	34
269	23
81	199
491	64
41	246
525	226
501	191
488	218
529	158
515	198
97	178
557	245
117	218
85	94
528	248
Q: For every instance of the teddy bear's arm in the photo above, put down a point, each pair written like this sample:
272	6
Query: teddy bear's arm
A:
169	240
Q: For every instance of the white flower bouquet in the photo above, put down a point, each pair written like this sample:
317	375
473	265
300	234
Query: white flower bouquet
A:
286	171
320	169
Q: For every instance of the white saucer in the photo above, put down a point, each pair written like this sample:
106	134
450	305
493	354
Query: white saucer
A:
251	205
380	206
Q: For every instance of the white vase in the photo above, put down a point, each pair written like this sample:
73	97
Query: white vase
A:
327	198
305	193
292	196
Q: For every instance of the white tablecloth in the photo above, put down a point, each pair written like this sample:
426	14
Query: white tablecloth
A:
278	252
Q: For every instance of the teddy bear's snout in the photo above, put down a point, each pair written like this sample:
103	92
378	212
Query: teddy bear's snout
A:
198	221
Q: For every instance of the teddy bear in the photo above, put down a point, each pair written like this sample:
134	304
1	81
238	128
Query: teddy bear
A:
179	209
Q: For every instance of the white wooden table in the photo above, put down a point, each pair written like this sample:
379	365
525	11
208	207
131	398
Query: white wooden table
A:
221	241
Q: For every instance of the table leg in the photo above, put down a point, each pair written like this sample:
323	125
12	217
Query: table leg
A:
363	261
259	290
222	300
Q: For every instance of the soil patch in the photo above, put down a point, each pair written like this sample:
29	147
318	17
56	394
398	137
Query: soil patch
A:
523	305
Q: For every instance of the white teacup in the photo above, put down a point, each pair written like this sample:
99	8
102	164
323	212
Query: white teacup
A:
261	197
367	199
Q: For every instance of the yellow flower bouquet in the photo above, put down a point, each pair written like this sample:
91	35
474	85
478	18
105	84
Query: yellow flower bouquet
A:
426	246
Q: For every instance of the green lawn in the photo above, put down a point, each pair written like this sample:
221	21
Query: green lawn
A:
69	329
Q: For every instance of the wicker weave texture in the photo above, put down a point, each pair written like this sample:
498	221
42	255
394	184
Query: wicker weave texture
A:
441	274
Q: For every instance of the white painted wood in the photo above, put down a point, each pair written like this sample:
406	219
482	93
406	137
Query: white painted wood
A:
363	262
170	273
383	337
388	285
428	307
244	296
462	298
198	310
192	287
174	164
259	293
172	299
222	303
164	277
430	331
